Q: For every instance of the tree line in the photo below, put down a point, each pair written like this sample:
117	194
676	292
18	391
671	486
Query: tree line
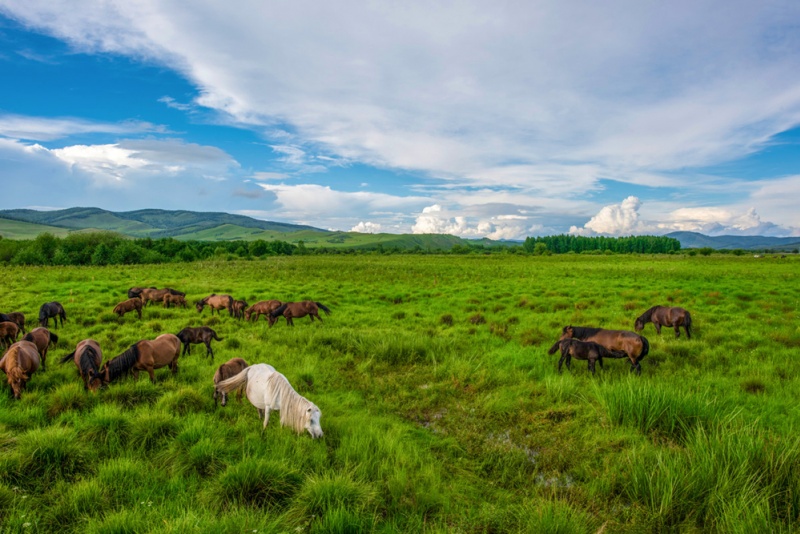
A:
640	244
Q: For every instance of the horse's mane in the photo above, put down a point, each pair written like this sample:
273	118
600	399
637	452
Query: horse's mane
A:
122	364
13	368
87	361
648	314
582	332
294	407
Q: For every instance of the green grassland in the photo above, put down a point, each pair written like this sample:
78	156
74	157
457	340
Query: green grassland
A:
442	411
23	230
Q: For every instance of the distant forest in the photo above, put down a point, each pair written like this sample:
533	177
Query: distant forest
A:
107	248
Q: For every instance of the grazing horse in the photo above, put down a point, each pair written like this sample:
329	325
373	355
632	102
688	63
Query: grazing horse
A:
666	316
238	308
150	294
126	306
51	309
269	390
633	345
8	333
216	302
15	317
298	309
582	350
144	355
42	338
87	357
177	300
19	362
264	307
136	292
201	334
228	369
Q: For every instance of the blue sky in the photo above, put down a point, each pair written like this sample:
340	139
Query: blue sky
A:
479	120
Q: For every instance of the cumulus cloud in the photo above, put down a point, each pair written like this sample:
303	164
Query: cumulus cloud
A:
367	228
616	219
435	220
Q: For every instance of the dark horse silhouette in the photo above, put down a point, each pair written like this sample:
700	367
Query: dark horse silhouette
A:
583	350
51	309
201	334
621	342
298	309
666	316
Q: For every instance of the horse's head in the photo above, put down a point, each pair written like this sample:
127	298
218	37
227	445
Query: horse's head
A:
247	313
313	415
566	333
199	305
221	396
17	379
639	324
95	380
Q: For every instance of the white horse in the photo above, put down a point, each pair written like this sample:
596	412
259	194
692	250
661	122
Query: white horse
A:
269	390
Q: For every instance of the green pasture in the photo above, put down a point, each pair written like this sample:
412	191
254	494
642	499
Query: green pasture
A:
442	411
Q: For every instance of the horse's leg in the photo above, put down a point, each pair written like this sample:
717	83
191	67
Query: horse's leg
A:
591	365
151	373
560	361
658	327
209	351
318	317
677	330
686	327
266	419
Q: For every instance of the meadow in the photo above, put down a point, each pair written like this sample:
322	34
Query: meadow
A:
442	411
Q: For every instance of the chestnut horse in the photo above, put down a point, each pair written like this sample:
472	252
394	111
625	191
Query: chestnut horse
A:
144	355
177	300
19	362
582	350
666	316
87	357
129	305
136	292
634	346
264	307
15	317
149	295
51	309
238	308
298	309
9	331
201	334
216	302
232	367
42	338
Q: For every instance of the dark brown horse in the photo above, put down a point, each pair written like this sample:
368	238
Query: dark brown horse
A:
666	316
19	362
42	338
238	308
292	310
144	355
216	302
87	357
177	300
51	309
136	292
9	331
232	367
201	334
15	317
634	346
264	307
582	350
129	305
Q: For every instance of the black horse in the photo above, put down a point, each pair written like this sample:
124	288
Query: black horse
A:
201	334
54	310
583	350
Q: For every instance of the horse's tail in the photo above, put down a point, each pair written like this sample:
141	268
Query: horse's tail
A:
688	322
53	339
230	305
324	308
645	349
554	348
279	311
68	357
28	337
214	336
234	382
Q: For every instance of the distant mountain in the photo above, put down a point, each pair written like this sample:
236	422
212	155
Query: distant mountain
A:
745	242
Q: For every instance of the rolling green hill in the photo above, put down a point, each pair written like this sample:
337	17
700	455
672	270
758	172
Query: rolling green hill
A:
10	229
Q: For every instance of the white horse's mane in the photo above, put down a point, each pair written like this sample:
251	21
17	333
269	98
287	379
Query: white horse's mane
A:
294	407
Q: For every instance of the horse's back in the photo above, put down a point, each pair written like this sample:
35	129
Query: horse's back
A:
167	345
88	343
28	355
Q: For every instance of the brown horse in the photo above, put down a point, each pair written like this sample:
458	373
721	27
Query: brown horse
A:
177	300
149	295
666	316
634	346
9	331
232	367
87	357
291	310
144	355
42	338
582	350
129	305
19	362
264	307
216	302
238	308
136	292
201	334
19	318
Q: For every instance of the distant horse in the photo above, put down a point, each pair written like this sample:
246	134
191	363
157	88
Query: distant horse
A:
200	334
19	362
666	316
177	300
14	317
87	357
633	345
582	350
51	309
129	305
175	292
264	307
42	338
9	331
216	302
238	308
298	309
228	369
149	295
136	292
269	390
144	355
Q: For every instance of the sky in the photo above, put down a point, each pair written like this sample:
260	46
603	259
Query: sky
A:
478	119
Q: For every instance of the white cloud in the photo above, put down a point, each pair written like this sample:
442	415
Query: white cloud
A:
48	129
367	228
435	220
265	176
